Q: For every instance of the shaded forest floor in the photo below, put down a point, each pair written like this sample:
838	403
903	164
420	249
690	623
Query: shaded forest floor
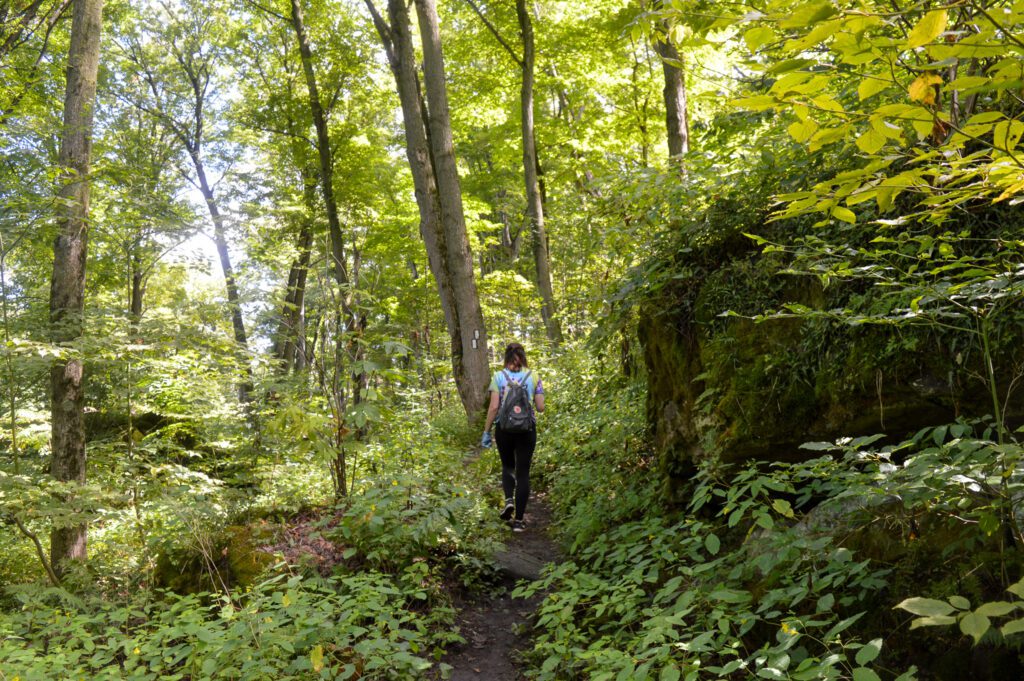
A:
493	623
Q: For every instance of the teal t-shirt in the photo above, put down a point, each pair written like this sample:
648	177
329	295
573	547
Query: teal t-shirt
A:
534	386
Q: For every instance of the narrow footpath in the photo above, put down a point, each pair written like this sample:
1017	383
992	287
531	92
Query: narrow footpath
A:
495	625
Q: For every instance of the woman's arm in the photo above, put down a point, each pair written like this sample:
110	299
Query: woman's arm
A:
492	411
538	399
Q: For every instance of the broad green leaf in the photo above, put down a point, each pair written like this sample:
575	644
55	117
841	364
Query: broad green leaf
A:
808	15
783	508
671	673
928	28
933	621
870	141
926	607
864	674
967	82
801	131
869	87
316	658
757	37
869	652
712	544
974	625
996	608
1007	134
1013	627
844	214
1017	589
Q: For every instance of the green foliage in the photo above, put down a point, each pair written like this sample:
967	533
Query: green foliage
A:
780	571
358	626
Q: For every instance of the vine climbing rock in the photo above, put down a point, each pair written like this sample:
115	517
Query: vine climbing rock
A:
495	625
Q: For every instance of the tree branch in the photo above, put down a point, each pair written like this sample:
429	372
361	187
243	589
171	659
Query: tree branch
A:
39	550
497	35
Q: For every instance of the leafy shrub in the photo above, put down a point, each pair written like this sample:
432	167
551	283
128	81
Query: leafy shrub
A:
358	626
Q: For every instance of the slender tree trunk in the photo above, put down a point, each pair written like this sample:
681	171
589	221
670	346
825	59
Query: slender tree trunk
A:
67	290
398	43
676	114
221	242
289	342
291	332
472	373
531	173
323	145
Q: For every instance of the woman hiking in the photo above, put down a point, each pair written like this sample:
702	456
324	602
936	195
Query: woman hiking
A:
515	391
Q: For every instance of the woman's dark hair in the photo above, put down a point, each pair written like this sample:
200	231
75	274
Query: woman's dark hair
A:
515	356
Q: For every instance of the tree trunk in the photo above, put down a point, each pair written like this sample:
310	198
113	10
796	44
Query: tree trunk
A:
67	290
323	145
290	340
291	334
472	372
398	44
676	115
221	242
531	173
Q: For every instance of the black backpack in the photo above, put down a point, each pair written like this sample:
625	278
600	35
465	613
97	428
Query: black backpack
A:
515	415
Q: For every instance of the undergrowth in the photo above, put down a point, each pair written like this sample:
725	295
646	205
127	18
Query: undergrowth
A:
409	534
780	571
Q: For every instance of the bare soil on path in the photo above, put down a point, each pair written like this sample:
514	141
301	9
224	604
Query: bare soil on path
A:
494	624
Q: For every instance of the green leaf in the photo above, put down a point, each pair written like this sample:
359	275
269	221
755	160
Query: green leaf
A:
844	214
1013	627
928	29
808	15
869	87
869	652
927	607
864	674
783	508
871	141
996	608
712	544
316	658
670	674
975	625
933	621
758	37
801	131
1017	589
959	602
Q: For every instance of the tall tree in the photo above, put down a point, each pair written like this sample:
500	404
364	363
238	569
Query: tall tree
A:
67	289
431	154
531	162
178	71
677	121
531	174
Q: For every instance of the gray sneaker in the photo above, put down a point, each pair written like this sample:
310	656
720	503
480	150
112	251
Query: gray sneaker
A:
518	526
509	509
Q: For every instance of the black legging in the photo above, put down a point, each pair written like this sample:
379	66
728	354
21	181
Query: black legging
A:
516	452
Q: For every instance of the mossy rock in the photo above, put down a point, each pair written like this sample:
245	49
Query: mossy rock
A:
236	559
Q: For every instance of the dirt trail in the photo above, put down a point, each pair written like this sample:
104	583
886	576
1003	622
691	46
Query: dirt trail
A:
491	623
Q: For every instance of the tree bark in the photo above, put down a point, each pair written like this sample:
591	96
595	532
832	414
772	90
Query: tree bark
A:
452	290
472	372
291	332
67	290
323	145
676	115
531	174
